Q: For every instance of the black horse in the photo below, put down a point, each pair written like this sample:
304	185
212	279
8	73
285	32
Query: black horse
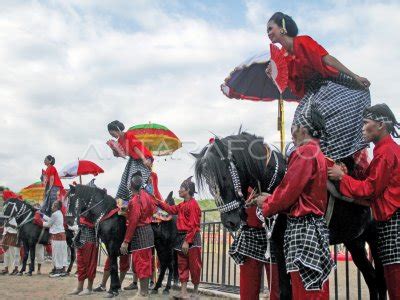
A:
30	234
94	203
233	164
164	237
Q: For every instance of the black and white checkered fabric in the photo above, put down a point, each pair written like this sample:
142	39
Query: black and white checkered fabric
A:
132	166
341	103
85	235
307	250
143	238
389	240
180	238
251	242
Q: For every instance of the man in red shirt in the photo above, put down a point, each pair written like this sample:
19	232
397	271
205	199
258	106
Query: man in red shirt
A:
302	195
188	242
86	256
382	187
139	233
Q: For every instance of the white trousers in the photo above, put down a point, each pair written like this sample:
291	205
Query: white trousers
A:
12	258
59	254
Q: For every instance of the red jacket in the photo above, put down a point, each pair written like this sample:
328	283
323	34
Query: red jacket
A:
129	142
139	213
306	63
303	190
189	217
382	184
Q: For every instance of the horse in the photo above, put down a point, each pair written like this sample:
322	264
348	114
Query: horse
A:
232	165
30	233
94	203
165	233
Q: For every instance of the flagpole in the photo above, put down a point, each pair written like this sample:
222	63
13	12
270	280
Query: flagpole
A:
281	122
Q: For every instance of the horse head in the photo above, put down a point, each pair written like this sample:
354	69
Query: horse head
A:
88	201
170	198
20	210
229	166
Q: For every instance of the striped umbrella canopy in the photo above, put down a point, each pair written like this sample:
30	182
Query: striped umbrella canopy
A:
33	192
79	168
157	138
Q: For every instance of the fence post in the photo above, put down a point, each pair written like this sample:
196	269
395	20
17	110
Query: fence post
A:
223	277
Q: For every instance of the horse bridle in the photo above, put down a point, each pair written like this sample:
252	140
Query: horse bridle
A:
20	213
233	172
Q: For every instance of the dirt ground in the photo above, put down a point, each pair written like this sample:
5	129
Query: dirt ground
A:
45	288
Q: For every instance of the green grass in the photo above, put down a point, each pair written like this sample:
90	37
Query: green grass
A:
206	204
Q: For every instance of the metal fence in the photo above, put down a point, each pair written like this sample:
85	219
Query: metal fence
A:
220	272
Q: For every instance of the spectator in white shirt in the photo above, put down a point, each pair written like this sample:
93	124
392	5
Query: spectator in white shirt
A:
58	240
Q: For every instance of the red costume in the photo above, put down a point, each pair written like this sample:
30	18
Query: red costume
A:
86	255
305	63
138	218
129	142
302	194
52	171
188	225
303	189
251	269
382	186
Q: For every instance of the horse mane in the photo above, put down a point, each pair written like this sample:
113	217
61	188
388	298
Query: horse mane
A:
212	158
15	200
87	192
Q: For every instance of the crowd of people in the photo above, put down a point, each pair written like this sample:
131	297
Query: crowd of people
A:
332	127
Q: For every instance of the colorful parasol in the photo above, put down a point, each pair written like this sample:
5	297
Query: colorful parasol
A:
79	168
157	138
249	81
33	192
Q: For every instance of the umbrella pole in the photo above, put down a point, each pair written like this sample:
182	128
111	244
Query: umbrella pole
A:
80	179
281	122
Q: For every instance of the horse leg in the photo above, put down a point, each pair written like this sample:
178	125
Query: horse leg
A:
175	268
380	277
25	258
357	249
284	278
32	251
115	285
73	257
170	274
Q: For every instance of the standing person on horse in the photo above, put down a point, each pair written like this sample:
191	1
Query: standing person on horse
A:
325	85
188	242
52	183
382	186
302	194
140	159
86	243
10	239
139	233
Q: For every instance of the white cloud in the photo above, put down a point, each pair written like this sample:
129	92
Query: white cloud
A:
69	68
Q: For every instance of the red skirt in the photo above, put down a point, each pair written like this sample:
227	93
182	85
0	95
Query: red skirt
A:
58	236
10	239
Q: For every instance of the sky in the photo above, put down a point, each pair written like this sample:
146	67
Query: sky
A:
68	68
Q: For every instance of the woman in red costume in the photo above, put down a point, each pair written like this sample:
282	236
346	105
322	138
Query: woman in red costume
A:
324	84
